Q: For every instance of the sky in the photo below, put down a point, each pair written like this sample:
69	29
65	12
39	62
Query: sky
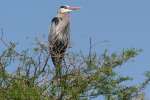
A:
112	24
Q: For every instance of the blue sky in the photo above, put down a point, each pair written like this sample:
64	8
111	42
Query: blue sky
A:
124	23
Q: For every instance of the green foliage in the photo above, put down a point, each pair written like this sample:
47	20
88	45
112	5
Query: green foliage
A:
82	77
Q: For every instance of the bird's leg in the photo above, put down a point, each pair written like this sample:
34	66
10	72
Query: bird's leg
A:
58	71
58	79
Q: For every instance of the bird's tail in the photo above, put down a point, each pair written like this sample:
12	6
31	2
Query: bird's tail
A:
57	61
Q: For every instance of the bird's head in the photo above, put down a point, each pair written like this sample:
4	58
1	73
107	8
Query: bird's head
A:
67	9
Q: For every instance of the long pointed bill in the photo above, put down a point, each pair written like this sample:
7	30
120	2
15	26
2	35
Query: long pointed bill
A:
74	8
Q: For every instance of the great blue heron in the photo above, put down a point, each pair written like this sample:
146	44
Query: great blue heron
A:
59	36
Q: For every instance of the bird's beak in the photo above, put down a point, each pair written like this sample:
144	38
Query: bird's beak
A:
74	8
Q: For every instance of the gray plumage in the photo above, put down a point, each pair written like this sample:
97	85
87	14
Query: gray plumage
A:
59	38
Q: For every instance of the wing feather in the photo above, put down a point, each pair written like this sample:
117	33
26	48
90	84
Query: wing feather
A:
58	39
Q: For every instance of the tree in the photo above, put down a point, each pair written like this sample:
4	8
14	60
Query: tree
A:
83	76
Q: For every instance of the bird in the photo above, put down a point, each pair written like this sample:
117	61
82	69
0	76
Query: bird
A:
59	34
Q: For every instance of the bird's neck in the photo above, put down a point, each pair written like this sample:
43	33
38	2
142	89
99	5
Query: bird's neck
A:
63	15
